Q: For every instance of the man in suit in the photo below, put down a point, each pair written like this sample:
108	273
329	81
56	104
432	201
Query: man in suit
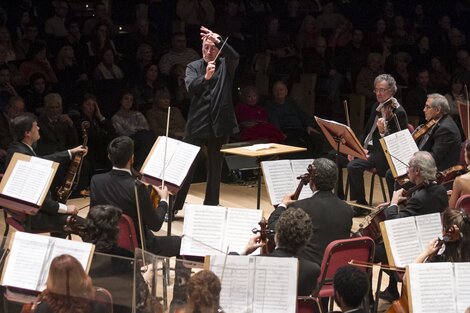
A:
442	140
293	231
430	198
381	123
52	215
211	118
351	286
331	217
117	188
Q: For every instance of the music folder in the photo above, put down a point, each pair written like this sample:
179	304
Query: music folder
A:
339	133
26	183
399	148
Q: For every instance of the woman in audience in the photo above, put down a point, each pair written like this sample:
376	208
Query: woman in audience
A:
132	123
5	40
107	69
37	62
461	184
253	119
68	289
157	116
146	86
177	88
34	95
457	249
99	42
67	69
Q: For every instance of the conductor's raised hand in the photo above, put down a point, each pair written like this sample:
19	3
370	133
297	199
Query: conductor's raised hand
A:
210	69
207	34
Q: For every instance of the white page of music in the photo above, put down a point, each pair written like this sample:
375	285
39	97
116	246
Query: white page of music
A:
404	241
28	180
462	282
179	158
25	262
432	287
299	167
275	288
238	229
203	230
402	146
279	179
235	274
429	227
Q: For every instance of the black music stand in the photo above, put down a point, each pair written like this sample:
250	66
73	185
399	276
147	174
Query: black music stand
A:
342	139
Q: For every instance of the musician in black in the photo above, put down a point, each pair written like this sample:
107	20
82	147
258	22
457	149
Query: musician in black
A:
351	286
442	139
387	117
428	197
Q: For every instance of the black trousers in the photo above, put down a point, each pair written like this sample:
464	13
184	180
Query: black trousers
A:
214	170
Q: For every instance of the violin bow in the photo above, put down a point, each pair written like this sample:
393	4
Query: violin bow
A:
370	265
220	50
346	111
166	145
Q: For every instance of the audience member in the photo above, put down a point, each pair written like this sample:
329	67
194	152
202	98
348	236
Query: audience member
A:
13	108
178	54
6	88
177	87
37	62
55	26
418	94
5	40
100	41
157	116
36	91
146	86
107	68
66	67
23	44
367	75
100	16
253	119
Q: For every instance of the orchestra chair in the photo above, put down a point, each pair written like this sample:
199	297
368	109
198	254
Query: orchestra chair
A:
127	238
104	297
337	254
373	172
464	203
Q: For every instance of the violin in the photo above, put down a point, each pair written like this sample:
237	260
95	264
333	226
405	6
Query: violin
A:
422	129
71	179
449	175
266	236
150	188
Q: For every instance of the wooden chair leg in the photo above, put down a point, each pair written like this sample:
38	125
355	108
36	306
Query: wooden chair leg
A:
371	192
384	194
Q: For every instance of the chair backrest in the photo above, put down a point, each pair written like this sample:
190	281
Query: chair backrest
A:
127	237
339	252
104	297
464	203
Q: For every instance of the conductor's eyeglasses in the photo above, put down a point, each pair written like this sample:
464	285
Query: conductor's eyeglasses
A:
381	90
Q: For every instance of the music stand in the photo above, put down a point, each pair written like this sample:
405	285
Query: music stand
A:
342	139
464	117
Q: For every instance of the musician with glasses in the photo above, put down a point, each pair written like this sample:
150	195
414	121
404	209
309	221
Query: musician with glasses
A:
387	117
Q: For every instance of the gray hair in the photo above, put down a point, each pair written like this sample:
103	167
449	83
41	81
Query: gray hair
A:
439	102
325	174
425	162
52	98
391	83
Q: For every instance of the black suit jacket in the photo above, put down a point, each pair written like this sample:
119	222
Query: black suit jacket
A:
49	205
211	110
117	188
331	218
308	272
431	199
444	143
380	160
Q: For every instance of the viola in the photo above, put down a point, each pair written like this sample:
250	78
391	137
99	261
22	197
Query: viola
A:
422	129
304	180
448	175
151	190
71	179
266	236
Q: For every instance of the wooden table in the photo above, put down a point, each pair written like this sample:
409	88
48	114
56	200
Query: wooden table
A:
269	150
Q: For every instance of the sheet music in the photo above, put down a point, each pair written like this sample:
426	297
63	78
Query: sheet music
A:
462	282
402	146
28	181
404	240
179	158
238	227
429	227
203	230
25	261
237	285
275	287
432	287
279	179
299	167
31	256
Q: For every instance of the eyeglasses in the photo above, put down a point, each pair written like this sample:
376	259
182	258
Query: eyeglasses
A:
381	90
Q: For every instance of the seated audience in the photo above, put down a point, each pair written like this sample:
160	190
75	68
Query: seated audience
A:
68	286
351	285
253	119
66	67
178	54
132	123
37	62
6	88
12	109
22	45
178	90
36	91
107	69
146	86
157	116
